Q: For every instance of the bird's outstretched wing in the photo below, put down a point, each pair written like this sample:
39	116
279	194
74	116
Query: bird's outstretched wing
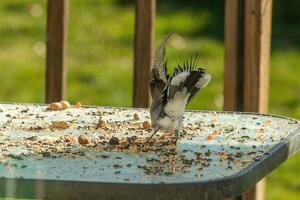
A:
158	74
185	82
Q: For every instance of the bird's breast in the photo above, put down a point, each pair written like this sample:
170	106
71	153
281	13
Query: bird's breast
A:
167	124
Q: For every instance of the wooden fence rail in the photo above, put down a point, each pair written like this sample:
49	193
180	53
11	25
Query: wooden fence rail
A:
247	47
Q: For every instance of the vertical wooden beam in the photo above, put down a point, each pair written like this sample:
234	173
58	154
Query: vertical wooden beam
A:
143	51
257	192
57	15
234	55
257	51
247	74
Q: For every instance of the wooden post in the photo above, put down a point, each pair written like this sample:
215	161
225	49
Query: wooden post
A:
247	53
257	54
143	51
234	55
57	15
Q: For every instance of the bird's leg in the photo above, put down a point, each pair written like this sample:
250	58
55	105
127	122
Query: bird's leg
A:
176	136
151	136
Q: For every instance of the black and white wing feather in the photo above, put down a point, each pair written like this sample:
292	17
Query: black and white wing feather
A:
158	75
185	82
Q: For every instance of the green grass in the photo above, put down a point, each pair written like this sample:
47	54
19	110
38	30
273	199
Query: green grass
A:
100	55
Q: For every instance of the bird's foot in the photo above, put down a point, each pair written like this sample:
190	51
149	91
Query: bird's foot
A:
175	141
150	137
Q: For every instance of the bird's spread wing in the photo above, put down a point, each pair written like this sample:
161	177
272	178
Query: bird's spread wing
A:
160	64
158	74
185	82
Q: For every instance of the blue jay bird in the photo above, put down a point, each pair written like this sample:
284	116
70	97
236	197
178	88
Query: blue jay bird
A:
171	94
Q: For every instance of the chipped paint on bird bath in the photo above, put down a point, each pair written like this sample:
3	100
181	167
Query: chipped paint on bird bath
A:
212	144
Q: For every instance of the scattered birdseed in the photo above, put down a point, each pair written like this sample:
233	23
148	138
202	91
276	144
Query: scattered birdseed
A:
113	141
102	123
209	142
78	105
136	116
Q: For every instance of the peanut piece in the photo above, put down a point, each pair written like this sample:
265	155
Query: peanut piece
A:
65	104
55	106
60	124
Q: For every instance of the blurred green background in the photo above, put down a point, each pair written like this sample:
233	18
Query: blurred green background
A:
100	57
